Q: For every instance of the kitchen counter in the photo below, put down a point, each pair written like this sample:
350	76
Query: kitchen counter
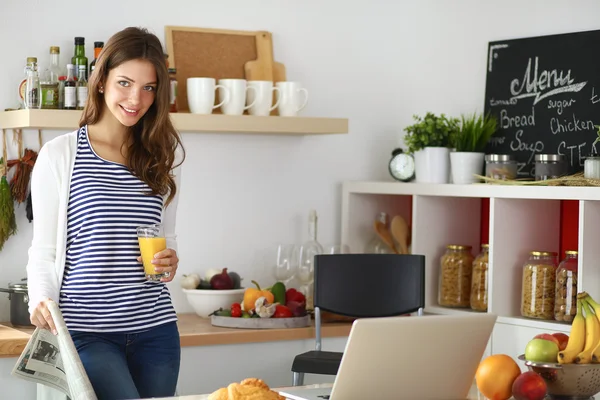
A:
194	331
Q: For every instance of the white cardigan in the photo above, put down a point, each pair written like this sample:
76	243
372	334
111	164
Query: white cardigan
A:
50	188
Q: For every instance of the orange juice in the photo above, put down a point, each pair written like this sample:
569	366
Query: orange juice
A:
149	246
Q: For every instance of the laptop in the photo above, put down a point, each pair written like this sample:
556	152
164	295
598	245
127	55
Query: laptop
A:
431	357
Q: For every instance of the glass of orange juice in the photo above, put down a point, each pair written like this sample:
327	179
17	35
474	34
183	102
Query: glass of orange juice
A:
152	240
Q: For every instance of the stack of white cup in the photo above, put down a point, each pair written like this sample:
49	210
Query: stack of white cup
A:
238	95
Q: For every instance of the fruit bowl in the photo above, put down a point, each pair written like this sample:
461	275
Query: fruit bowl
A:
205	301
567	381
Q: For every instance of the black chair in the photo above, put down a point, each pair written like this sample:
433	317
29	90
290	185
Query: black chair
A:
361	286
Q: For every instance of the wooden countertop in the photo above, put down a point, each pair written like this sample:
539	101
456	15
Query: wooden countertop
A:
194	331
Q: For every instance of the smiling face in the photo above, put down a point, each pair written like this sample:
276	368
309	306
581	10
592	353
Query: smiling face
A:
129	90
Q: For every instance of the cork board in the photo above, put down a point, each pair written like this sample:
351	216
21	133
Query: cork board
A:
205	52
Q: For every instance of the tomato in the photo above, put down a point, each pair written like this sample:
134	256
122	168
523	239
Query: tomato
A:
282	312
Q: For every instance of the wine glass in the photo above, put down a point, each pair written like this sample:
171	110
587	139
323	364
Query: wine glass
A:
306	269
285	265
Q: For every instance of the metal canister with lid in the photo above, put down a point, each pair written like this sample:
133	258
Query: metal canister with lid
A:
550	166
500	166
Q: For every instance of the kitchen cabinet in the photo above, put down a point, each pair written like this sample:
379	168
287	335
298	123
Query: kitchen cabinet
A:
186	122
521	219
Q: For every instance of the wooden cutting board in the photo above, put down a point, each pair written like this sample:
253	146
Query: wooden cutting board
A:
264	68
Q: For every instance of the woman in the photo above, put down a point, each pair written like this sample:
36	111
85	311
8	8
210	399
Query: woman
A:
91	189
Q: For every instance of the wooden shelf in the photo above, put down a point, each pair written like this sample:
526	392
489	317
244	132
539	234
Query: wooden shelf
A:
519	219
186	122
475	190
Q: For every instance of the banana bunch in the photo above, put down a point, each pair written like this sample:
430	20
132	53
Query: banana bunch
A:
583	346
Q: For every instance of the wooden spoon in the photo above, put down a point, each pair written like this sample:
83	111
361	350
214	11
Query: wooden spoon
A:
385	235
399	229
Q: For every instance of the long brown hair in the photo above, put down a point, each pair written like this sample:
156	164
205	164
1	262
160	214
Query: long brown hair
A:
152	152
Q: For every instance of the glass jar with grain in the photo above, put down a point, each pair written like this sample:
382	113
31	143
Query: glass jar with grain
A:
456	266
479	280
539	283
565	300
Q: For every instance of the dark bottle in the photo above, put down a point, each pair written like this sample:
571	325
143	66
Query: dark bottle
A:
172	90
79	58
97	49
70	89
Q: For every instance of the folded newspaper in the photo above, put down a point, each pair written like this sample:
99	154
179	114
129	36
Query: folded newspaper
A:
52	360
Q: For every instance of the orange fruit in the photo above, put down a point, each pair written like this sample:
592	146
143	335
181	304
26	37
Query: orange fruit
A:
495	376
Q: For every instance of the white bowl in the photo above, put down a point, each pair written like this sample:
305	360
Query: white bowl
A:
205	301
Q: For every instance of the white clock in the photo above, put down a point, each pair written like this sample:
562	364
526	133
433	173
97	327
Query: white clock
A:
402	166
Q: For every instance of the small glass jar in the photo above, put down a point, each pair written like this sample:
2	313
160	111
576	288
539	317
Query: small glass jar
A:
550	166
539	284
500	166
456	266
479	280
591	167
565	298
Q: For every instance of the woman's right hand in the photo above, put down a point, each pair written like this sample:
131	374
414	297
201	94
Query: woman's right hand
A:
42	318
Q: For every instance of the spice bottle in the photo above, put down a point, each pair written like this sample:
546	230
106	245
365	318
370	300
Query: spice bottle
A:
82	89
539	285
70	89
565	299
98	46
33	90
456	267
23	83
49	84
479	280
172	90
61	91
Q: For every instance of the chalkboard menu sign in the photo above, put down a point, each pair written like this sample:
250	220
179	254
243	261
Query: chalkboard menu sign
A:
545	93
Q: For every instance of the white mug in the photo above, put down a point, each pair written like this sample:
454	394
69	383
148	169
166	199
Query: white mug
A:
201	95
289	98
237	96
262	97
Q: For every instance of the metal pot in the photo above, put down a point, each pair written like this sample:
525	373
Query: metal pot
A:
19	299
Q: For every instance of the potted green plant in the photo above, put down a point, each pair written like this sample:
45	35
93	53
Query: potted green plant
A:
469	143
429	140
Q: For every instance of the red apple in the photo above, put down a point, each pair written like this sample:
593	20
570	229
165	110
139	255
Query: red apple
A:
529	386
547	336
563	339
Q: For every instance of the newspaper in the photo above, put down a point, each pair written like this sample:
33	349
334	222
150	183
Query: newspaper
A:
52	360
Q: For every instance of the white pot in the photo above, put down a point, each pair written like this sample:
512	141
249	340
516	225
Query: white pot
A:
464	165
432	165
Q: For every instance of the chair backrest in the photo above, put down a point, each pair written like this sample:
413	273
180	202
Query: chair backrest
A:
369	285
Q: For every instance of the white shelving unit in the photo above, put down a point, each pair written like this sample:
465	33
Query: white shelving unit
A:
521	219
186	122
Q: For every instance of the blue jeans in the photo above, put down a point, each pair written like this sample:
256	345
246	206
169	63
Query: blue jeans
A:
131	365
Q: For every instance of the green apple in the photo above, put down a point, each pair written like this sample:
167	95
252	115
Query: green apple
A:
541	350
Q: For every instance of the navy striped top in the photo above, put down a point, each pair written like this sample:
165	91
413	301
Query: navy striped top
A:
104	288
